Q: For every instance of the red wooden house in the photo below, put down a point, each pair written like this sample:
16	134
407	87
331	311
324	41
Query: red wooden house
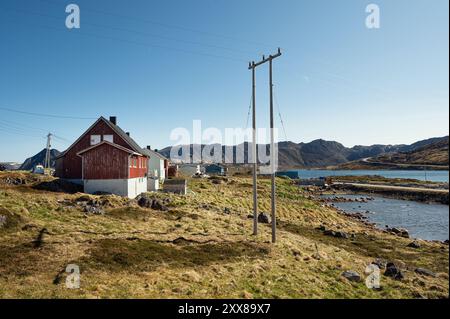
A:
105	159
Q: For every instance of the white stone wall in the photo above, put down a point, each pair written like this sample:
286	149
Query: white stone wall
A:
137	186
113	186
123	187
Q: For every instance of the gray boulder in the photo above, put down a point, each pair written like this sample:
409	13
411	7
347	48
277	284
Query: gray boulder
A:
352	275
3	220
425	272
145	202
414	244
263	218
93	210
329	232
394	272
380	263
341	234
399	232
157	205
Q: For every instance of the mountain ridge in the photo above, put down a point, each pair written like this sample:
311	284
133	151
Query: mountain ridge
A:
322	153
39	159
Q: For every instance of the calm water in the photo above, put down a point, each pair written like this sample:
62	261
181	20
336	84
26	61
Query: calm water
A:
425	221
434	176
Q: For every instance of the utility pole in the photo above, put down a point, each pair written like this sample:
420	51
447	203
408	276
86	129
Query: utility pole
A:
253	66
254	156
47	154
272	156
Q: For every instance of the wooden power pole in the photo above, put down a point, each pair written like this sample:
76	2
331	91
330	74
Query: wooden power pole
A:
254	156
253	66
47	163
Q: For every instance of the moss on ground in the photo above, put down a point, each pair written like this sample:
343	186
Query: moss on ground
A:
202	247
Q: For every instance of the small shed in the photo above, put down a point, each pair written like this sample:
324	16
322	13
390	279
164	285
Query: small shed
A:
177	186
215	169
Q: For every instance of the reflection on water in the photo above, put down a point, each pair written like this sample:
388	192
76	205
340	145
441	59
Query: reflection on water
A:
425	221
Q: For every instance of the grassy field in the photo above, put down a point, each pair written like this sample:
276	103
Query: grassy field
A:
201	247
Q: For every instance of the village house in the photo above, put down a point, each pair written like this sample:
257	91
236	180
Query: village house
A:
215	169
105	159
158	167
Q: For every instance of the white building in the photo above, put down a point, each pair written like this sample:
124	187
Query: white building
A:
157	169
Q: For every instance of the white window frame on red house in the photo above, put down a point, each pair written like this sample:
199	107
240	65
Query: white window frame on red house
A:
108	138
95	139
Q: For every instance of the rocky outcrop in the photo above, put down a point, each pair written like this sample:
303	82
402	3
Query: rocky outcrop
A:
394	272
153	203
425	272
352	275
414	244
263	218
398	231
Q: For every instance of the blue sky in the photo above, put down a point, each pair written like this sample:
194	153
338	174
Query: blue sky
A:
158	65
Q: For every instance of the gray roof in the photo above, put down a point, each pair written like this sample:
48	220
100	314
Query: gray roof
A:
154	153
132	143
135	146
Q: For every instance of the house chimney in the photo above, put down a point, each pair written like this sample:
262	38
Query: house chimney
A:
113	120
128	133
149	147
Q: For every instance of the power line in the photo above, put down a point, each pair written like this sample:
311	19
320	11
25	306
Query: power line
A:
61	139
165	25
20	126
141	33
7	130
281	118
46	114
249	111
13	129
82	33
17	132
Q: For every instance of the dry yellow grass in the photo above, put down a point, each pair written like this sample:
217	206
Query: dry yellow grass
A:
197	250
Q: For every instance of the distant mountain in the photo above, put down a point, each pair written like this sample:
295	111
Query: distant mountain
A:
424	143
9	166
321	153
39	159
435	152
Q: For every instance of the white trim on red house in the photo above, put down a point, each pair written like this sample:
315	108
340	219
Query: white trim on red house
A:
111	144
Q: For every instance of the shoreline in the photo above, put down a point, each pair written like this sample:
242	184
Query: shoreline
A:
367	168
362	217
423	195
